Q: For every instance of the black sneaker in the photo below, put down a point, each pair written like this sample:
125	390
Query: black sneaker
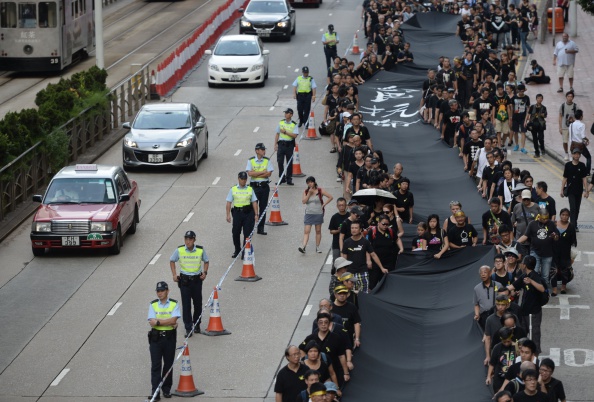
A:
167	394
196	331
290	183
235	254
262	232
157	398
577	229
189	333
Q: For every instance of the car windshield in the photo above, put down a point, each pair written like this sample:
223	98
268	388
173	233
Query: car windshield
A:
80	191
237	48
266	7
163	120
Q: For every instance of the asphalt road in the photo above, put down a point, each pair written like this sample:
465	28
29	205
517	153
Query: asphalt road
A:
55	308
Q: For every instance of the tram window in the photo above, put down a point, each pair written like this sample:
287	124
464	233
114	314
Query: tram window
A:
81	7
48	17
27	15
8	15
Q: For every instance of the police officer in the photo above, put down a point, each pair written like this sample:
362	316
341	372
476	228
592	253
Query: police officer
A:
304	90
260	169
162	316
330	39
284	144
193	268
243	204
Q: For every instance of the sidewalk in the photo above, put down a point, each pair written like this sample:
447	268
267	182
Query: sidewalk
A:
583	81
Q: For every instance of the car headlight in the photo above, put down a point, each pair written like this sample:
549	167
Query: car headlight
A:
213	67
184	142
42	226
130	143
257	67
246	24
101	226
283	24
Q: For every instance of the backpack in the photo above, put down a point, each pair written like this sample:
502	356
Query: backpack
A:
373	233
568	119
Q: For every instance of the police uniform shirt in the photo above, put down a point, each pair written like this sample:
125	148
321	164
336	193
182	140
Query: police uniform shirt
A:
153	314
278	128
329	34
175	257
230	194
269	168
311	80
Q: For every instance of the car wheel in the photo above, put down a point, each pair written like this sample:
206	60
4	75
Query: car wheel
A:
38	252
293	30
205	154
135	220
194	165
288	38
262	84
317	5
266	76
117	245
211	85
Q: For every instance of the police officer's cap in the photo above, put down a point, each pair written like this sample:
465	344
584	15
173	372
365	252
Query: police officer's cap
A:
330	27
305	69
289	110
242	175
162	286
191	234
260	145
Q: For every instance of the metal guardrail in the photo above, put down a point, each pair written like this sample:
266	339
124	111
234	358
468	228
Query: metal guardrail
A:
30	171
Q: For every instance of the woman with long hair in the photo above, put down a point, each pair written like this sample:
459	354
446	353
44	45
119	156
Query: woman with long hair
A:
437	239
313	198
562	256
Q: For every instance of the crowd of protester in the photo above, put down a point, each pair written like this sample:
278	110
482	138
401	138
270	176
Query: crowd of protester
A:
477	103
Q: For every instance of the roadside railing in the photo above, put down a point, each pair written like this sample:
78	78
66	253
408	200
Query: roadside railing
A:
31	171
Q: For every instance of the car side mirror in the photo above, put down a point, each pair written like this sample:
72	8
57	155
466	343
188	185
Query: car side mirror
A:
240	10
292	11
124	197
37	198
200	124
208	52
265	51
126	125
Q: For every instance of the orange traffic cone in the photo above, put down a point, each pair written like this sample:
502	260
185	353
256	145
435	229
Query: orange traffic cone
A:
275	213
297	163
355	49
248	274
186	385
311	128
215	324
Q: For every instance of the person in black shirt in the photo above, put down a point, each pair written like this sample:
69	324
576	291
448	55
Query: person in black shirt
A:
405	201
531	393
471	149
492	220
533	285
335	224
552	386
491	66
351	320
502	358
484	103
574	177
462	234
387	245
289	380
446	75
450	120
345	228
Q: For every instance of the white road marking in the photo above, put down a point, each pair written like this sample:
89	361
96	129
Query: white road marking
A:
306	55
321	29
188	217
237	152
114	308
329	260
564	306
330	15
285	87
256	129
216	180
313	43
60	377
307	309
154	260
296	70
271	108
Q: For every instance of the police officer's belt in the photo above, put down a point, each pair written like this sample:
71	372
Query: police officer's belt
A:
259	183
154	335
190	277
247	208
286	143
304	93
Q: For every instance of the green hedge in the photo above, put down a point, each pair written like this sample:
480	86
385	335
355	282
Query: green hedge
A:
587	5
57	104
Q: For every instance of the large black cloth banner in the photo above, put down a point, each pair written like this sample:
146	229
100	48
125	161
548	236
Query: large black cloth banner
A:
419	340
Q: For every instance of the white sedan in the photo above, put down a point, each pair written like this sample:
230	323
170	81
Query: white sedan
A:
238	59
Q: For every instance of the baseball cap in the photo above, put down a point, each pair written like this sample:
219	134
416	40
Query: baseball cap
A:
191	234
374	161
353	202
305	69
513	251
162	286
316	389
242	175
526	194
346	276
331	387
451	90
346	114
331	27
288	110
260	145
341	262
341	289
573	151
357	210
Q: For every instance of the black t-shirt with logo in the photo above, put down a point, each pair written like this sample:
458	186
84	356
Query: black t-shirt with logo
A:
541	241
356	251
461	236
574	175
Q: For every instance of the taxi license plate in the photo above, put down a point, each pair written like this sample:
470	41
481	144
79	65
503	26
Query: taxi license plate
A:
70	241
155	158
234	78
264	33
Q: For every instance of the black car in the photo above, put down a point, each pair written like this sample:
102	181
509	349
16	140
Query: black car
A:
268	19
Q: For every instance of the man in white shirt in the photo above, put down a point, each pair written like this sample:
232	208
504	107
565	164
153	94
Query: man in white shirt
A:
577	133
564	59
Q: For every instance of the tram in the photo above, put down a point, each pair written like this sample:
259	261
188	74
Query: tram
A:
45	35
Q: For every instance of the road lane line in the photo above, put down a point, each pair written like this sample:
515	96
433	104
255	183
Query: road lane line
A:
114	308
313	43
296	70
307	309
256	129
306	55
216	181
60	377
329	260
285	87
271	108
237	152
330	15
154	260
188	217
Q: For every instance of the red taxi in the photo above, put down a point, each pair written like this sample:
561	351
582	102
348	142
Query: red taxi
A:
86	206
